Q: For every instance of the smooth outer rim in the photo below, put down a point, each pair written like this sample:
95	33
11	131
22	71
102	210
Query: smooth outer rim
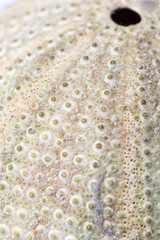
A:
7	3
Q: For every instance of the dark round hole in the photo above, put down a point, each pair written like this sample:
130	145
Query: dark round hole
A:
125	16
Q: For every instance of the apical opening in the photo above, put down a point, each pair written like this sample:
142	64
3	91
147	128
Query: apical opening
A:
125	17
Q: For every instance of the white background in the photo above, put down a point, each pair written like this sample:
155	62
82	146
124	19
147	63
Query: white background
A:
6	3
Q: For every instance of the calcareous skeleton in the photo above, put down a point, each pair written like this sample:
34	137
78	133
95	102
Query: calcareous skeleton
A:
79	121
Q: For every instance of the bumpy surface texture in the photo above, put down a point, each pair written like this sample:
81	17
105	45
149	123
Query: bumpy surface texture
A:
79	121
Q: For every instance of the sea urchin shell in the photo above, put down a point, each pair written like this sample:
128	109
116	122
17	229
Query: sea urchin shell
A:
79	121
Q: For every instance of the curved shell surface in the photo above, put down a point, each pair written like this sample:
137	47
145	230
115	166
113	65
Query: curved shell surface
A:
79	121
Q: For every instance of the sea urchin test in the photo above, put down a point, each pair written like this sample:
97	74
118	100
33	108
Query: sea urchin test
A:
80	120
